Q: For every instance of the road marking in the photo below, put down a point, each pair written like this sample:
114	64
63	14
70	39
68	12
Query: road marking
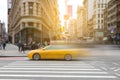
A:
117	74
15	79
48	69
12	58
116	63
52	66
117	69
55	76
103	68
48	64
56	72
113	68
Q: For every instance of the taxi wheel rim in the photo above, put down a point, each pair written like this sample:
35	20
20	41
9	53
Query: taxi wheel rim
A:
36	57
68	57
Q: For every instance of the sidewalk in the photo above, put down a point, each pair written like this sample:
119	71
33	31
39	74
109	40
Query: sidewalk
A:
12	51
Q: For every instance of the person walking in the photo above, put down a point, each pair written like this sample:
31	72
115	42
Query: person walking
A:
4	45
0	44
22	47
33	46
19	46
117	38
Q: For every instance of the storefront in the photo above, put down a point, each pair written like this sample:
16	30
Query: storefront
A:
29	35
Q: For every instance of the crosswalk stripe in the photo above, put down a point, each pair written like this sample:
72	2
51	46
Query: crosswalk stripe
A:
49	69
56	72
52	66
57	76
14	79
49	64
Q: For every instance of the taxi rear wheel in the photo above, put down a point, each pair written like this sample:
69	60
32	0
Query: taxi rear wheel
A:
68	57
36	56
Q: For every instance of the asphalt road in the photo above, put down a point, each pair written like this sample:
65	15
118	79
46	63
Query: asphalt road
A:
103	64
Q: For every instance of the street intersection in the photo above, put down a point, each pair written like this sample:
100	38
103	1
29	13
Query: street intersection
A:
103	64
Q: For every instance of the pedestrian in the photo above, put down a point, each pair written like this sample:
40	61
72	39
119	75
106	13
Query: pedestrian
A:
117	39
22	47
19	46
33	46
39	45
114	38
4	45
0	44
109	39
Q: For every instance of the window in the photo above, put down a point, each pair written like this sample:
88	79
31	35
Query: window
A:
101	21
23	24
24	8
102	5
98	21
101	15
37	7
98	26
30	8
98	15
30	23
98	5
37	25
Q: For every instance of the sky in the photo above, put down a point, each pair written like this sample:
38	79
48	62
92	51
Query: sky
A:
75	3
3	11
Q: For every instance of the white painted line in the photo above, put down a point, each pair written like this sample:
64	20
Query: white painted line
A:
47	69
68	72
117	74
116	63
103	68
51	62
113	68
47	64
15	79
53	66
117	69
56	76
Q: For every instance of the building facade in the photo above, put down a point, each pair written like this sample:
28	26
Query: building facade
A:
118	16
80	22
91	27
106	28
2	31
99	6
112	16
33	20
9	28
72	30
85	16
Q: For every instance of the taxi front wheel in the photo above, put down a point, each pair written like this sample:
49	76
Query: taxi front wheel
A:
68	57
36	56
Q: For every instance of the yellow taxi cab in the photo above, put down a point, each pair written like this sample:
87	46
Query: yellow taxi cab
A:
66	52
